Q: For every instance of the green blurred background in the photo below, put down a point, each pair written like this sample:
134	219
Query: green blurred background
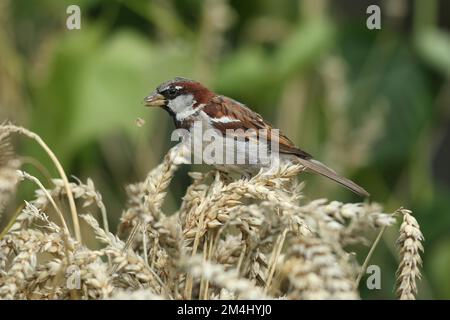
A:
373	104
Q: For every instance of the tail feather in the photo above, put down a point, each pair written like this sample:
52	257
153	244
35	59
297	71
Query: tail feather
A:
319	168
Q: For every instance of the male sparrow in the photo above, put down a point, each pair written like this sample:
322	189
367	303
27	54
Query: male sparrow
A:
189	102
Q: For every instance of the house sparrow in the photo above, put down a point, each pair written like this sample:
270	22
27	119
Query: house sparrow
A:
189	102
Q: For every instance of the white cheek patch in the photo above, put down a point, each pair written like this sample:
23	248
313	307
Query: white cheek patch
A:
183	106
181	103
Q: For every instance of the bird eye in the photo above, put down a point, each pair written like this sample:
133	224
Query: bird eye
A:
171	92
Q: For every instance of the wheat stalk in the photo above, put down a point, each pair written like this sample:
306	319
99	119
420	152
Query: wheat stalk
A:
248	238
9	128
8	176
410	246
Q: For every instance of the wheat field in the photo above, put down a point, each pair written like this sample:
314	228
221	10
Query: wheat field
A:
247	238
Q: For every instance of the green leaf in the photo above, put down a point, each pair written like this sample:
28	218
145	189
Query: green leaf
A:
434	47
246	74
304	47
96	88
437	265
115	81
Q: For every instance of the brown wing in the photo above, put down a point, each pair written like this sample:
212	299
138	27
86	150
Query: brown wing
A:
227	113
241	117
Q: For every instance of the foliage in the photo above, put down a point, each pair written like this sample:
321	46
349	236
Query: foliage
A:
371	103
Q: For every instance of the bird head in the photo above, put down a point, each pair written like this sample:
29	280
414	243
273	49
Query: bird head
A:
179	96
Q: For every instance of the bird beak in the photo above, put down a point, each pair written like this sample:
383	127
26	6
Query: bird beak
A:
155	100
